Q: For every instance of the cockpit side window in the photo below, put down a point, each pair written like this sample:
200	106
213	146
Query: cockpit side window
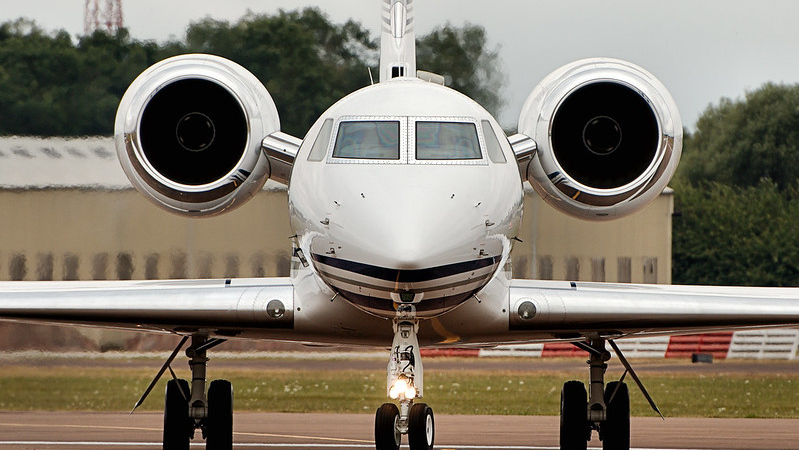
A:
447	141
320	145
374	139
492	144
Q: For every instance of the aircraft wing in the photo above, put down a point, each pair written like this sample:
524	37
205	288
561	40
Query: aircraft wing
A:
568	310
524	311
222	307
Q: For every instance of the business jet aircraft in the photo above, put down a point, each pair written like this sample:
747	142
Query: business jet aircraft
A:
406	199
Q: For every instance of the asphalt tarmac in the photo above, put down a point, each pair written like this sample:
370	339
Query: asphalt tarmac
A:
280	431
79	430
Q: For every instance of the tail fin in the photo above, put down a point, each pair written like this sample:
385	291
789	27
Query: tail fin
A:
397	40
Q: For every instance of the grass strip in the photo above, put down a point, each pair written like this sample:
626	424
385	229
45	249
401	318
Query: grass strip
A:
31	388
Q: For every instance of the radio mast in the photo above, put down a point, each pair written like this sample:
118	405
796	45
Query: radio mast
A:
107	17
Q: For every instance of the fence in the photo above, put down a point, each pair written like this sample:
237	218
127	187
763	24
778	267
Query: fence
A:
753	344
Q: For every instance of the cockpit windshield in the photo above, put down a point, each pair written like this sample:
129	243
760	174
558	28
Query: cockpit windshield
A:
404	140
447	141
368	140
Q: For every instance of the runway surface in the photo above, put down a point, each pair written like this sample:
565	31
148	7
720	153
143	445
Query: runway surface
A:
279	431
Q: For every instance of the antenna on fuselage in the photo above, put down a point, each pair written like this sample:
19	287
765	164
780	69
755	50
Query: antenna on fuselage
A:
397	40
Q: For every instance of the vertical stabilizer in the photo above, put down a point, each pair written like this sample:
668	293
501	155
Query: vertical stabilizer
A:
397	40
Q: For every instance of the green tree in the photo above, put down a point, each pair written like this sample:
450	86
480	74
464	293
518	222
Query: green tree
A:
742	142
34	66
462	56
736	235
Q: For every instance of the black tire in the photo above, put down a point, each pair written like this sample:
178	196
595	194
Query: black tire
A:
386	435
615	430
219	423
574	430
178	427
421	427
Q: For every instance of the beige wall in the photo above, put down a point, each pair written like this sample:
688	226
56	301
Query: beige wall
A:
633	249
77	234
63	234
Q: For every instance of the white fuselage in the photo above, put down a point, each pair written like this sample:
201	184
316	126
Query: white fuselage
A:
406	192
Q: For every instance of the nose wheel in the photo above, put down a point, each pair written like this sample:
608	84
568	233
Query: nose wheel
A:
405	384
421	427
387	434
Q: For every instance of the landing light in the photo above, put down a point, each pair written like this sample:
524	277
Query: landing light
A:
402	387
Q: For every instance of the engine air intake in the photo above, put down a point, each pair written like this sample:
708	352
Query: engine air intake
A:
604	135
193	131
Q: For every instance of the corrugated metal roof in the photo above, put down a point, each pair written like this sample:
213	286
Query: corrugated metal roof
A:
60	163
45	163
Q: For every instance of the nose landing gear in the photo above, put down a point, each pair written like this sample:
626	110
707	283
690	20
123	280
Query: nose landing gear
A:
405	383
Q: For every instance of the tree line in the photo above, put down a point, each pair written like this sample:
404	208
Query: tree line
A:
52	85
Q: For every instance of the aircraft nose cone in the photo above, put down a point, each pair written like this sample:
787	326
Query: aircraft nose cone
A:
409	231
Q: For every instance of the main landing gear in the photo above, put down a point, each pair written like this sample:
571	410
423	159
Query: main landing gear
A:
405	383
607	409
188	407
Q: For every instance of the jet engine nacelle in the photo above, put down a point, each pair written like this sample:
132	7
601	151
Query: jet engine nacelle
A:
188	134
608	137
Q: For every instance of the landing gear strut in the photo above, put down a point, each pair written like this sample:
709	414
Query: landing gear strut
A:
405	383
188	408
212	412
607	410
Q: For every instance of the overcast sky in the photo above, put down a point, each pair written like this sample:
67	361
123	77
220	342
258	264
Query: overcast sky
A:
701	50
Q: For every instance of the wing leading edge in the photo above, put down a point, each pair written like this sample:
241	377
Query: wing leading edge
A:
219	307
569	309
